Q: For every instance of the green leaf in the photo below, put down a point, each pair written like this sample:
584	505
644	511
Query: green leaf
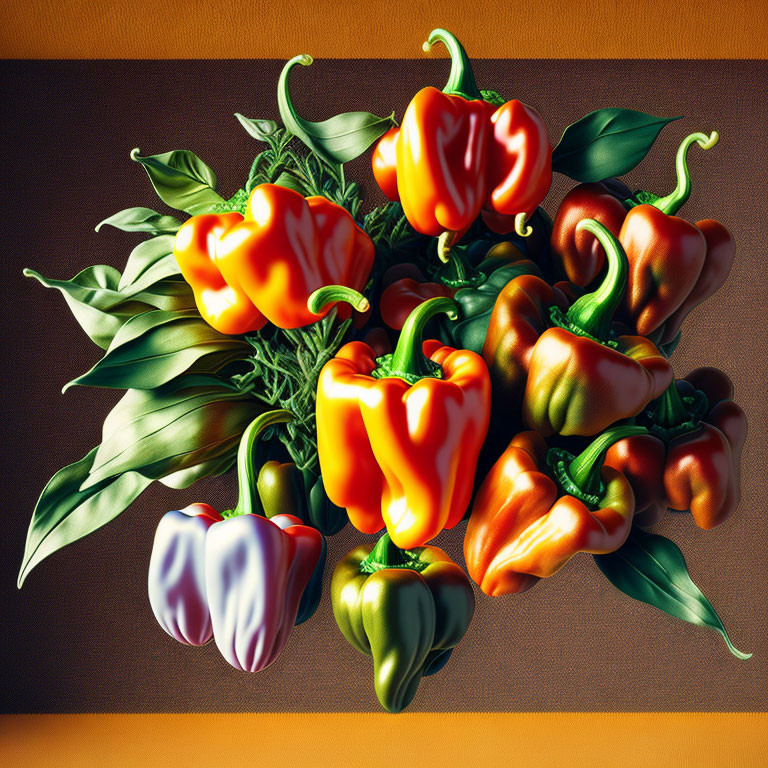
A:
652	569
163	431
149	262
290	180
102	308
185	477
65	514
142	220
181	180
259	129
340	138
605	143
155	347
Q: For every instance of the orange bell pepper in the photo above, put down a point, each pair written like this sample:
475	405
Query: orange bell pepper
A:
398	437
529	519
247	270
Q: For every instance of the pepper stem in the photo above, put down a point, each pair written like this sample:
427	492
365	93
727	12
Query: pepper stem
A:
593	312
521	227
408	361
671	410
330	294
458	273
386	553
444	244
247	475
673	202
584	470
461	80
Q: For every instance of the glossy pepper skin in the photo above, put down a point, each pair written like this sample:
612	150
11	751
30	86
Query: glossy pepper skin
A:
397	445
581	379
248	270
577	254
667	255
408	610
691	459
237	576
456	154
529	518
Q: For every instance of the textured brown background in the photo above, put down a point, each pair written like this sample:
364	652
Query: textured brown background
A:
81	636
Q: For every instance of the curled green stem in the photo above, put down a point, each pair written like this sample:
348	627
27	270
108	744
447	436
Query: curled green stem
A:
593	312
674	201
408	361
521	227
461	80
330	294
247	474
445	242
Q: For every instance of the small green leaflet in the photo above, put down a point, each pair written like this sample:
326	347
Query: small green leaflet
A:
340	138
152	348
142	220
606	143
260	129
181	180
652	569
65	514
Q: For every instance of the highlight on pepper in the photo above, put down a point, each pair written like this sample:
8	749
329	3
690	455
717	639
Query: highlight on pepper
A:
452	355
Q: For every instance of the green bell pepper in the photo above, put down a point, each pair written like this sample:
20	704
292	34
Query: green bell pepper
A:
407	609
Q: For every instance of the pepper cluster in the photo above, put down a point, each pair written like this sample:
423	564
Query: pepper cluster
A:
453	356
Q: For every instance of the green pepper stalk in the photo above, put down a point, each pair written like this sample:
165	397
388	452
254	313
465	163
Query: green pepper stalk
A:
247	475
408	361
675	200
592	314
579	476
461	80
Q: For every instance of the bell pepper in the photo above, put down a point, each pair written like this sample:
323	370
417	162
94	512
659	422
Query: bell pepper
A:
406	609
324	515
247	270
236	576
456	153
398	436
384	163
578	255
667	254
476	297
537	508
690	461
581	377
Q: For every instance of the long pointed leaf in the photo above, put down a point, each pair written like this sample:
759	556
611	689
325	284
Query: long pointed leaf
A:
141	220
64	513
652	569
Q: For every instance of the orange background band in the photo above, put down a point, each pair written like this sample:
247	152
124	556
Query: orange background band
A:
660	739
224	29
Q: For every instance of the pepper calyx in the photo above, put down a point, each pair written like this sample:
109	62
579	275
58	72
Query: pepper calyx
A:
458	272
461	80
673	414
386	554
559	319
408	361
579	476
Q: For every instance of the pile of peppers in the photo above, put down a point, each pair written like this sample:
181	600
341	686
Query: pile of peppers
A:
512	381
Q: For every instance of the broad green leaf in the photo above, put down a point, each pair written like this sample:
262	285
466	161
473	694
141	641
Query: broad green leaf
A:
155	347
185	477
160	432
652	569
340	138
149	262
101	308
290	180
259	129
64	513
605	143
181	180
142	220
